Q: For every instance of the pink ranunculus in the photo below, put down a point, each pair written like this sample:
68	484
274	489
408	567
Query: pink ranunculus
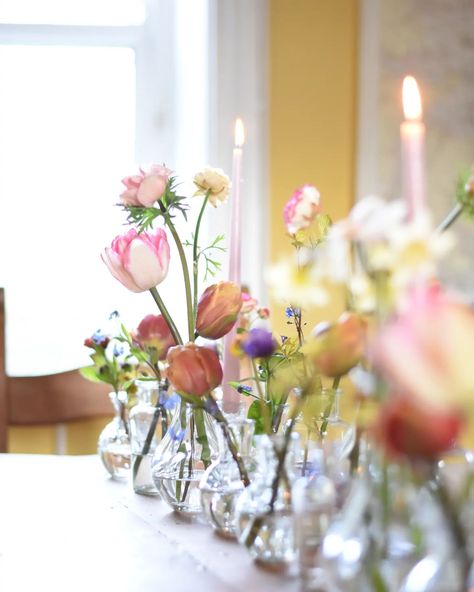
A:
427	350
138	261
301	208
145	188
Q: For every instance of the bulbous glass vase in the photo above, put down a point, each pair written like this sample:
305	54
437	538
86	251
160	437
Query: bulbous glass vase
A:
264	516
113	445
222	483
149	419
188	448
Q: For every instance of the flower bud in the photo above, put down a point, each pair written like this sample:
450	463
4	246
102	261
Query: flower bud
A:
153	333
336	348
193	370
138	261
217	310
407	427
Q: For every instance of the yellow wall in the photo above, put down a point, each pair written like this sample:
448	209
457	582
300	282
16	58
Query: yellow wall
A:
313	75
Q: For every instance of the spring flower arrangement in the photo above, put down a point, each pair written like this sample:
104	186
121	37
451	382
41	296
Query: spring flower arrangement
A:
140	260
414	389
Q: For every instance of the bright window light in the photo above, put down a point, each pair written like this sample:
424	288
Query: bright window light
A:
73	12
67	125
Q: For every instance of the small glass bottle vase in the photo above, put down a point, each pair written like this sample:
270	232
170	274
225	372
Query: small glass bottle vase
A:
264	515
222	483
148	425
113	445
188	448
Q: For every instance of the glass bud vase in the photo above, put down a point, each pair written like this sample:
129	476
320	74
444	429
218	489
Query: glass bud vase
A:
314	503
222	485
188	448
148	425
113	446
264	516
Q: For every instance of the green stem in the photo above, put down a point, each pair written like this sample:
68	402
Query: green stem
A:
452	216
195	254
232	447
202	436
329	406
184	265
263	402
158	412
166	315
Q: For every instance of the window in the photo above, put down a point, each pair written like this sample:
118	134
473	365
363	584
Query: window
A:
87	89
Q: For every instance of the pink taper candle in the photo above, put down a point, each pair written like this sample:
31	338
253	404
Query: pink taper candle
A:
412	132
231	399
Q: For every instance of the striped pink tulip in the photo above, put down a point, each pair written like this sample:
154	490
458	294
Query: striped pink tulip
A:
138	261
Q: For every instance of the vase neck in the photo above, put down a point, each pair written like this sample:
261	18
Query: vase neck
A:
151	391
330	403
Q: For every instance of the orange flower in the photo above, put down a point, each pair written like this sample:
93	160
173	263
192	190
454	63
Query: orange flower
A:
193	370
217	310
336	348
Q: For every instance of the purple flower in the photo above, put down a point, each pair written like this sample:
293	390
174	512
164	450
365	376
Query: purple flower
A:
259	343
177	435
169	401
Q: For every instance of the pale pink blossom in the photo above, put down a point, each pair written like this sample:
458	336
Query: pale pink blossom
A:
427	350
145	188
138	261
301	208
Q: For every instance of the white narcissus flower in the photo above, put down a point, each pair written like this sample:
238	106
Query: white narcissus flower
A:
215	181
298	285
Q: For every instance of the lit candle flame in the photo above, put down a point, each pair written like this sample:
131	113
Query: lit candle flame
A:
239	133
411	99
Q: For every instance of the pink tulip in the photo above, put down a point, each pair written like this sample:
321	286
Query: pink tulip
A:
427	350
146	188
193	370
301	208
218	309
153	333
138	261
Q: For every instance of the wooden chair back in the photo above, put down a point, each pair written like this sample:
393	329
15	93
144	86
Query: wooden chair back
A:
48	399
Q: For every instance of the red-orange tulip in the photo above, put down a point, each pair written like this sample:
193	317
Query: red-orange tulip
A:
153	332
406	427
218	309
193	370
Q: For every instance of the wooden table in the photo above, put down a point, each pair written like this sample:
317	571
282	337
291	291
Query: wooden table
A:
65	526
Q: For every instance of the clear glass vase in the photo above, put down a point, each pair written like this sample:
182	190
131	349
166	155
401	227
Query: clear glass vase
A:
113	445
392	534
188	448
222	483
314	505
148	425
264	516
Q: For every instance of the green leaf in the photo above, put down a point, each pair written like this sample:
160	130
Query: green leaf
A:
255	413
90	373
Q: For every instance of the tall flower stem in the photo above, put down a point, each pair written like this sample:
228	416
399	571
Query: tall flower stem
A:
219	417
196	255
452	216
166	315
184	265
263	403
